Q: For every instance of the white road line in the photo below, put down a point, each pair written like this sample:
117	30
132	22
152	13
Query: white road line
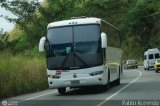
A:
37	96
99	103
116	93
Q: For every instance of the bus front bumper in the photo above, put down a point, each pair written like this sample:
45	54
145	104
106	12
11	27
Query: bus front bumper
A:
76	82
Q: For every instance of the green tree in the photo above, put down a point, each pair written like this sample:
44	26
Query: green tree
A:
139	22
25	12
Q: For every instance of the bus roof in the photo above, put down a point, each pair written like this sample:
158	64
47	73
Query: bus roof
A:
154	50
75	21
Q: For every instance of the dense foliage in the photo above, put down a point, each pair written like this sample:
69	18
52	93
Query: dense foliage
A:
138	20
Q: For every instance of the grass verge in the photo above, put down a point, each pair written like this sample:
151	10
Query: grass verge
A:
22	73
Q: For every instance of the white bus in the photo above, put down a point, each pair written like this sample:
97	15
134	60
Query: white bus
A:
82	52
149	58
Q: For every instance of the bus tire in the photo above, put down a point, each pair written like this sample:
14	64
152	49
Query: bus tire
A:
156	71
107	86
118	80
61	90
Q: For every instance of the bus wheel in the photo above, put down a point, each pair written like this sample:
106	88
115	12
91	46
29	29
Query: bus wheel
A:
107	86
118	80
156	71
61	90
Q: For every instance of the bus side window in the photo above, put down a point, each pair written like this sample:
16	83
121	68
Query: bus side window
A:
112	35
156	55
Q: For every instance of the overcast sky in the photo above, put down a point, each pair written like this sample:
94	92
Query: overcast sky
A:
4	24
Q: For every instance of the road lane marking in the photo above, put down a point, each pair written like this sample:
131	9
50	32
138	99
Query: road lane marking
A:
40	95
99	103
37	96
116	93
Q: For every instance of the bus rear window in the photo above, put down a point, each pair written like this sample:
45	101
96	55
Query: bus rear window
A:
156	55
150	56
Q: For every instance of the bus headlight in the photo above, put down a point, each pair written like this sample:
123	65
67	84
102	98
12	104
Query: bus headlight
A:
96	73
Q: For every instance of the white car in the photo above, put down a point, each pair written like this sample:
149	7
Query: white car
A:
149	58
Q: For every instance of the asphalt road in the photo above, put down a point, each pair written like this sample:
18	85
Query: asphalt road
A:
138	87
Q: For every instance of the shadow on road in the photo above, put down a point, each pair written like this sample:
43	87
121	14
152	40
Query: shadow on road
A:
93	90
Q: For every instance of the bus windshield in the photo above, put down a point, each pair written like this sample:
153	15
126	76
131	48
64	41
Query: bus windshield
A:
74	46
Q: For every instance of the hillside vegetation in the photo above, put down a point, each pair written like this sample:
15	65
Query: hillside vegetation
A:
138	21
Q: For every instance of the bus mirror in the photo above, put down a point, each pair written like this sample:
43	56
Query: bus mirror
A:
41	44
103	40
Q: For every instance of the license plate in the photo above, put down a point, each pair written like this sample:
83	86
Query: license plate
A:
75	82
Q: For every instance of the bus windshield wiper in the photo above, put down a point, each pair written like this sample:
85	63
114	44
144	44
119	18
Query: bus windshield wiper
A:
74	53
64	61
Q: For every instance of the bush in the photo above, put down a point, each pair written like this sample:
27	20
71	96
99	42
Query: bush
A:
4	41
20	74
